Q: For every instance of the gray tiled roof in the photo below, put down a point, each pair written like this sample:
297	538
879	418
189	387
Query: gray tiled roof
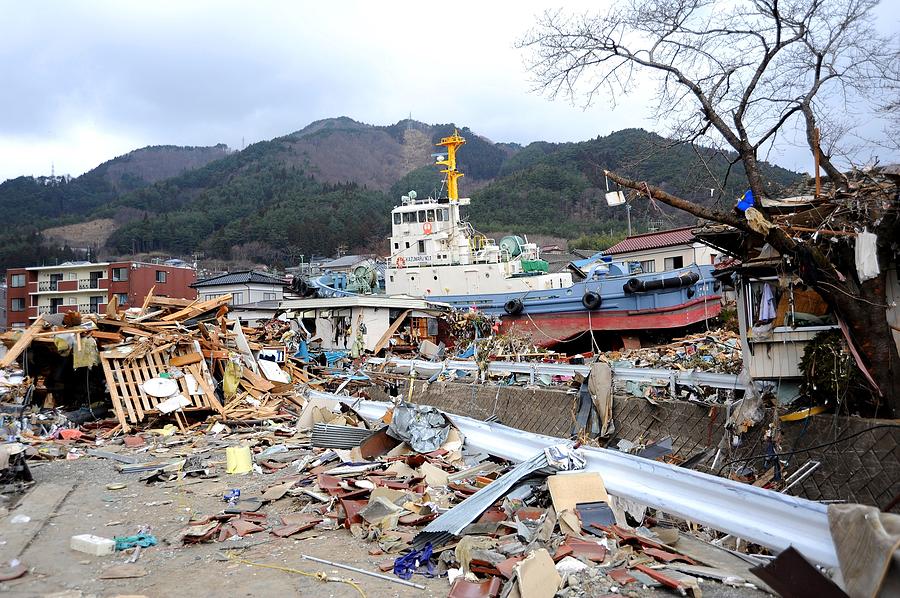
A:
240	277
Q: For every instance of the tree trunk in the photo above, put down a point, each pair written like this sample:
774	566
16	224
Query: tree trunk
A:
861	307
754	178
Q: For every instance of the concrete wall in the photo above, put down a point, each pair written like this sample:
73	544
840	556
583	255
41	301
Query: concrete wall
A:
865	469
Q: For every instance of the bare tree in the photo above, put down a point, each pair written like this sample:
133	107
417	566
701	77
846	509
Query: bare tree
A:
737	74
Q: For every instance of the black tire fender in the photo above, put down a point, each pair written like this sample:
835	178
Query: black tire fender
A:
514	307
591	300
633	285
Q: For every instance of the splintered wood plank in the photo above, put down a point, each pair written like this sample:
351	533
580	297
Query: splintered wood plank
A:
114	394
23	343
139	396
134	388
171	301
188	359
198	308
208	391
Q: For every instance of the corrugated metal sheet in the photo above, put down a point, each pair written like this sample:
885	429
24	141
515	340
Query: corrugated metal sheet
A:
456	519
340	437
664	238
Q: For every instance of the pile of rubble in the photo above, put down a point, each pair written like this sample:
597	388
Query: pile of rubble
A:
410	486
713	351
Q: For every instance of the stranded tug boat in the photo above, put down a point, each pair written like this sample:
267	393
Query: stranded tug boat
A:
436	255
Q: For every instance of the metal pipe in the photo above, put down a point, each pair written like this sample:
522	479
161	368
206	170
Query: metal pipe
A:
765	517
402	582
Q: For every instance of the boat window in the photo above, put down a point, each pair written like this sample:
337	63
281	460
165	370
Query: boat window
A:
421	246
407	216
440	215
407	244
421	215
446	214
396	245
397	218
430	215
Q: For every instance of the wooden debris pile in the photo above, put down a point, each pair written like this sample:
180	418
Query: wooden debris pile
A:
177	357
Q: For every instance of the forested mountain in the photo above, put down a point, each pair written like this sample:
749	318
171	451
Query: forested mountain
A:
30	204
334	182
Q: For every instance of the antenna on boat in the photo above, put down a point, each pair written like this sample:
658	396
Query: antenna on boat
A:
452	143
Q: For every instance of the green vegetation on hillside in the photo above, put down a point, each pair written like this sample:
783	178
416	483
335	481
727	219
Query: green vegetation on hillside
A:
268	203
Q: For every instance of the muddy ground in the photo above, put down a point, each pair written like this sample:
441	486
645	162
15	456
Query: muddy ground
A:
92	507
172	569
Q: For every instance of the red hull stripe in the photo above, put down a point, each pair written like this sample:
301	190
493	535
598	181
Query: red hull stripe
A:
548	329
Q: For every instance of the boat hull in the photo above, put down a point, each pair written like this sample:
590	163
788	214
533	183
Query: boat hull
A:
548	329
552	316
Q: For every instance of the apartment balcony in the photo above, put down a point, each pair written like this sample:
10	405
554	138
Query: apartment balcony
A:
86	284
48	285
43	310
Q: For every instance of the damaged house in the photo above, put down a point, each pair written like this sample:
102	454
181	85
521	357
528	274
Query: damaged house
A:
787	323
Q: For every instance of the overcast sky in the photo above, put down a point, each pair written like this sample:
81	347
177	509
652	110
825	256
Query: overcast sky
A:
83	82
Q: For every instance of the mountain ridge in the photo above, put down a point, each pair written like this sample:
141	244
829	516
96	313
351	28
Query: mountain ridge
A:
334	182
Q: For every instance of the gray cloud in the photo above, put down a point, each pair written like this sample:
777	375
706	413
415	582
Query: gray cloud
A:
85	81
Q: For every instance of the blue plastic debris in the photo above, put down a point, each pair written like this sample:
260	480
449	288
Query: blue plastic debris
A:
142	540
746	201
406	565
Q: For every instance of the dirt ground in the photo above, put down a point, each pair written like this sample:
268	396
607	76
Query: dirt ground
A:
172	569
94	507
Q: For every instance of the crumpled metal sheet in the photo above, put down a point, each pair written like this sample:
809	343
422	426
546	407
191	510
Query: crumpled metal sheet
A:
422	427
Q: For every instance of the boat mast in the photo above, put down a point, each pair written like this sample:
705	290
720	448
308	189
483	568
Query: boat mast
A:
451	143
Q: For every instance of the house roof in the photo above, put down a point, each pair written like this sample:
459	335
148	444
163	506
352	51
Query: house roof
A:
240	277
663	238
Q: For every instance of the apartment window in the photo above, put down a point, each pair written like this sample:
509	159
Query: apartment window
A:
648	266
421	246
18	325
96	301
160	276
121	299
17	281
673	263
119	274
18	304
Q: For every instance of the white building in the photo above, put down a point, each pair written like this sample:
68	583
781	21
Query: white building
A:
245	286
663	250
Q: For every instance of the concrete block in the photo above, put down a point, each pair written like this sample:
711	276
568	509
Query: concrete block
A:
93	545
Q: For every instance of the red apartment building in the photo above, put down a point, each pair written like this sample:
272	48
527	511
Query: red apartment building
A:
88	287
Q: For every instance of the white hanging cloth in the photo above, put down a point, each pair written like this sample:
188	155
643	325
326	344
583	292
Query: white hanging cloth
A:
766	305
866	256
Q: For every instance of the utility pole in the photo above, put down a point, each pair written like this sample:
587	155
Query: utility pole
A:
628	215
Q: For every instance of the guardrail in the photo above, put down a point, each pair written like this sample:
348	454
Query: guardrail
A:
535	369
772	519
